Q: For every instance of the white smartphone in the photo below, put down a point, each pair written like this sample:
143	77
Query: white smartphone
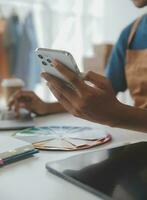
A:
46	56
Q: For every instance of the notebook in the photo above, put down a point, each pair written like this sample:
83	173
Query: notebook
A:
12	149
8	120
118	173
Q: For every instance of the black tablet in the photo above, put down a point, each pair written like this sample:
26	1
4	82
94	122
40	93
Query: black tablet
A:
119	173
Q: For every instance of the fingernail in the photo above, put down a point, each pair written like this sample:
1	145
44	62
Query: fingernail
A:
55	63
44	75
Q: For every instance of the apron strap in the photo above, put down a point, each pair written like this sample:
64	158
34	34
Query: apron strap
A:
133	30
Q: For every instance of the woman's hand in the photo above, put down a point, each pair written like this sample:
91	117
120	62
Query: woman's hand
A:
95	101
28	100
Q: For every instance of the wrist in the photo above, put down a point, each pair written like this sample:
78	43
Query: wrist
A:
50	108
130	117
114	114
119	115
42	109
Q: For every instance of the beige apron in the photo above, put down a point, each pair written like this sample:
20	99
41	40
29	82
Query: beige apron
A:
136	70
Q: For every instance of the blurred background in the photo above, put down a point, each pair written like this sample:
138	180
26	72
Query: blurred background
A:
86	28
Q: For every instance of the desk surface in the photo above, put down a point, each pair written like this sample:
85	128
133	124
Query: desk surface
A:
29	179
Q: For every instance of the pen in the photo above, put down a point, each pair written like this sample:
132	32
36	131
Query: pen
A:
18	157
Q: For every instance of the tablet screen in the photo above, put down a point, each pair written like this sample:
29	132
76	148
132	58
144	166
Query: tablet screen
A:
119	173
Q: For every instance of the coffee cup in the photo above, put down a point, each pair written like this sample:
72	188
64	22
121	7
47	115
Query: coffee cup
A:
11	86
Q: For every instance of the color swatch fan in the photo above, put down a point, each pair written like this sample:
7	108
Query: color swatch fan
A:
64	137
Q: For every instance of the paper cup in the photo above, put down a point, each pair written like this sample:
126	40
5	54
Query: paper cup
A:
11	86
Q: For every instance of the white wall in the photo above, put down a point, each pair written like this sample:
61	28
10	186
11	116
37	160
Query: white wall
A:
118	14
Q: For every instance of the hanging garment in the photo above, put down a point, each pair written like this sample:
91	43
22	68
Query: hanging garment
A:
27	67
11	41
136	70
4	71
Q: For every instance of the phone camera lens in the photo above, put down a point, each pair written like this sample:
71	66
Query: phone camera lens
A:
48	60
44	63
67	54
40	56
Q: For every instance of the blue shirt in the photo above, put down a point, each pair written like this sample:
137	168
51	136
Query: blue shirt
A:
115	69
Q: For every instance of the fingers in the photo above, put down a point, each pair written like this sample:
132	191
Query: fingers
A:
21	99
64	70
71	76
98	80
10	103
16	109
24	96
61	86
62	99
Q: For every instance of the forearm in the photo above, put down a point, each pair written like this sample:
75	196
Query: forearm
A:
129	117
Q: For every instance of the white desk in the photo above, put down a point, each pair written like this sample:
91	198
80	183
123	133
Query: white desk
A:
29	179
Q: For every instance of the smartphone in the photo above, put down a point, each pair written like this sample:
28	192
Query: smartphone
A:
46	56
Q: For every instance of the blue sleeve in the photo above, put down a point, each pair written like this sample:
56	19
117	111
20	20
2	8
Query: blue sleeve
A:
115	69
